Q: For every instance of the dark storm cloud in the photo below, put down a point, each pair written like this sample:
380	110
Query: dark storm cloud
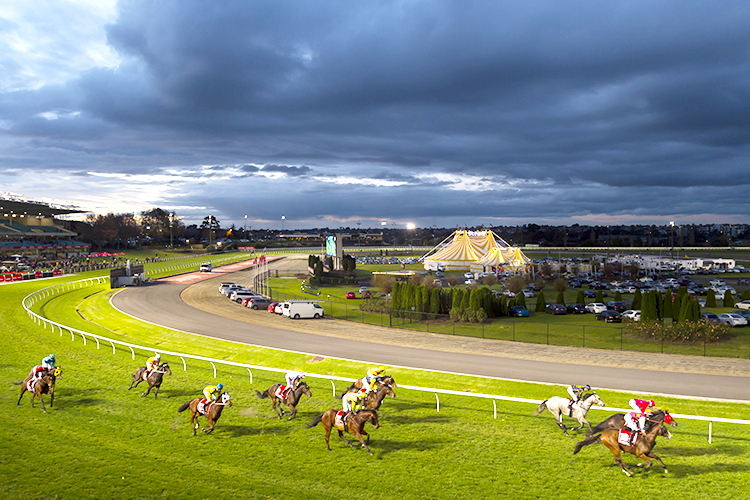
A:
566	109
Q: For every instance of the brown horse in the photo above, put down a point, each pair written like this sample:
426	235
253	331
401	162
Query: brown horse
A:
358	384
154	378
291	400
642	448
355	425
375	398
43	385
617	421
214	412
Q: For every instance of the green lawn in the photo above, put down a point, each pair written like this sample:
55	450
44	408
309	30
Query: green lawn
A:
102	441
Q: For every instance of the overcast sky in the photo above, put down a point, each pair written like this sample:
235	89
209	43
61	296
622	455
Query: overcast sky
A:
338	112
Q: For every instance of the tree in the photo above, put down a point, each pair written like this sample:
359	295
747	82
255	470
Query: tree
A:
580	298
560	298
521	300
710	298
560	284
515	284
541	304
637	299
618	296
668	305
745	295
546	269
458	296
155	224
728	299
539	283
599	296
209	227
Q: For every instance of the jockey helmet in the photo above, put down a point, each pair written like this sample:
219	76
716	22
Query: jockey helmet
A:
51	356
587	387
380	369
362	391
651	403
157	356
219	386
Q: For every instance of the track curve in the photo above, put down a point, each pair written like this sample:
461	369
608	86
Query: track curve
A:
199	309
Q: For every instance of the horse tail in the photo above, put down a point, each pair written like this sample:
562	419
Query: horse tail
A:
586	442
540	408
315	421
18	383
262	395
183	407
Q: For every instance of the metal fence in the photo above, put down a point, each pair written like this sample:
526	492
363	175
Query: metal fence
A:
48	292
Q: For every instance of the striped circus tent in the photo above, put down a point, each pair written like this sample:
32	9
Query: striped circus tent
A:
463	250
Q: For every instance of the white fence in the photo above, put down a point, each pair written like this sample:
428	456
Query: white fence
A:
47	292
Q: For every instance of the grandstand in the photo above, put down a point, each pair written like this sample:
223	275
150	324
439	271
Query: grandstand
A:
29	227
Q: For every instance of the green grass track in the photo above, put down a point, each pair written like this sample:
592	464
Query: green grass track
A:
102	441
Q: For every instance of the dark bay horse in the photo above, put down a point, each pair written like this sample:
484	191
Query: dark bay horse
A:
291	400
43	385
355	425
643	447
154	378
358	384
375	398
617	421
213	415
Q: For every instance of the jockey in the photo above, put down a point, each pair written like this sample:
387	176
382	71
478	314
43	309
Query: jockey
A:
640	405
293	379
152	364
576	391
48	363
370	381
636	420
352	401
212	392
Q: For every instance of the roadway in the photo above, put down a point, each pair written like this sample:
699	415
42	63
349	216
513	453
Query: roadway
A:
198	308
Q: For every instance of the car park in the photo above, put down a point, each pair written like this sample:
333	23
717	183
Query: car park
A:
257	303
732	319
351	295
595	307
609	316
745	304
631	315
518	312
556	309
576	308
710	317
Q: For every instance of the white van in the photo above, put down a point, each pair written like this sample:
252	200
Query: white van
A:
297	309
206	267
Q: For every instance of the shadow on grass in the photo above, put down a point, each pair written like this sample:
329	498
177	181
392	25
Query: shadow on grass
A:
386	446
76	402
692	451
679	471
405	419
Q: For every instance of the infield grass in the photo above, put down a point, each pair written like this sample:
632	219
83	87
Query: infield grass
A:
102	441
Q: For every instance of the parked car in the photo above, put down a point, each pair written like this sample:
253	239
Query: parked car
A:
230	289
470	282
469	276
351	295
257	303
609	316
509	294
744	282
272	307
745	314
589	294
363	289
745	304
632	315
279	309
206	267
528	294
732	319
710	317
518	312
241	295
595	307
225	285
302	309
438	274
576	308
616	305
556	309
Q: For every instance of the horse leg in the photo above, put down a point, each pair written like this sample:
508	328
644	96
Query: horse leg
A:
42	400
652	455
558	419
341	435
194	421
156	390
583	422
23	391
328	436
52	396
277	408
294	412
143	395
359	436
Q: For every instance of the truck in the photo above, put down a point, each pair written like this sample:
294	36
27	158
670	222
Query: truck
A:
297	309
434	266
206	267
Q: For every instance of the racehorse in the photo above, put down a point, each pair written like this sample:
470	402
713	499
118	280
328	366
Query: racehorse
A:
355	425
375	398
559	406
291	400
154	378
617	421
212	415
358	384
43	385
642	448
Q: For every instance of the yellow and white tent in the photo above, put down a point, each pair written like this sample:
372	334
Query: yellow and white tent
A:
467	250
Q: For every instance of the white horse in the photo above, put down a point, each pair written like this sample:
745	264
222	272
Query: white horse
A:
561	406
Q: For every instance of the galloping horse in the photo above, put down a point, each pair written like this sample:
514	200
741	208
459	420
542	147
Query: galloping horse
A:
358	384
375	398
212	415
154	378
291	400
355	425
559	406
617	421
43	385
642	448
